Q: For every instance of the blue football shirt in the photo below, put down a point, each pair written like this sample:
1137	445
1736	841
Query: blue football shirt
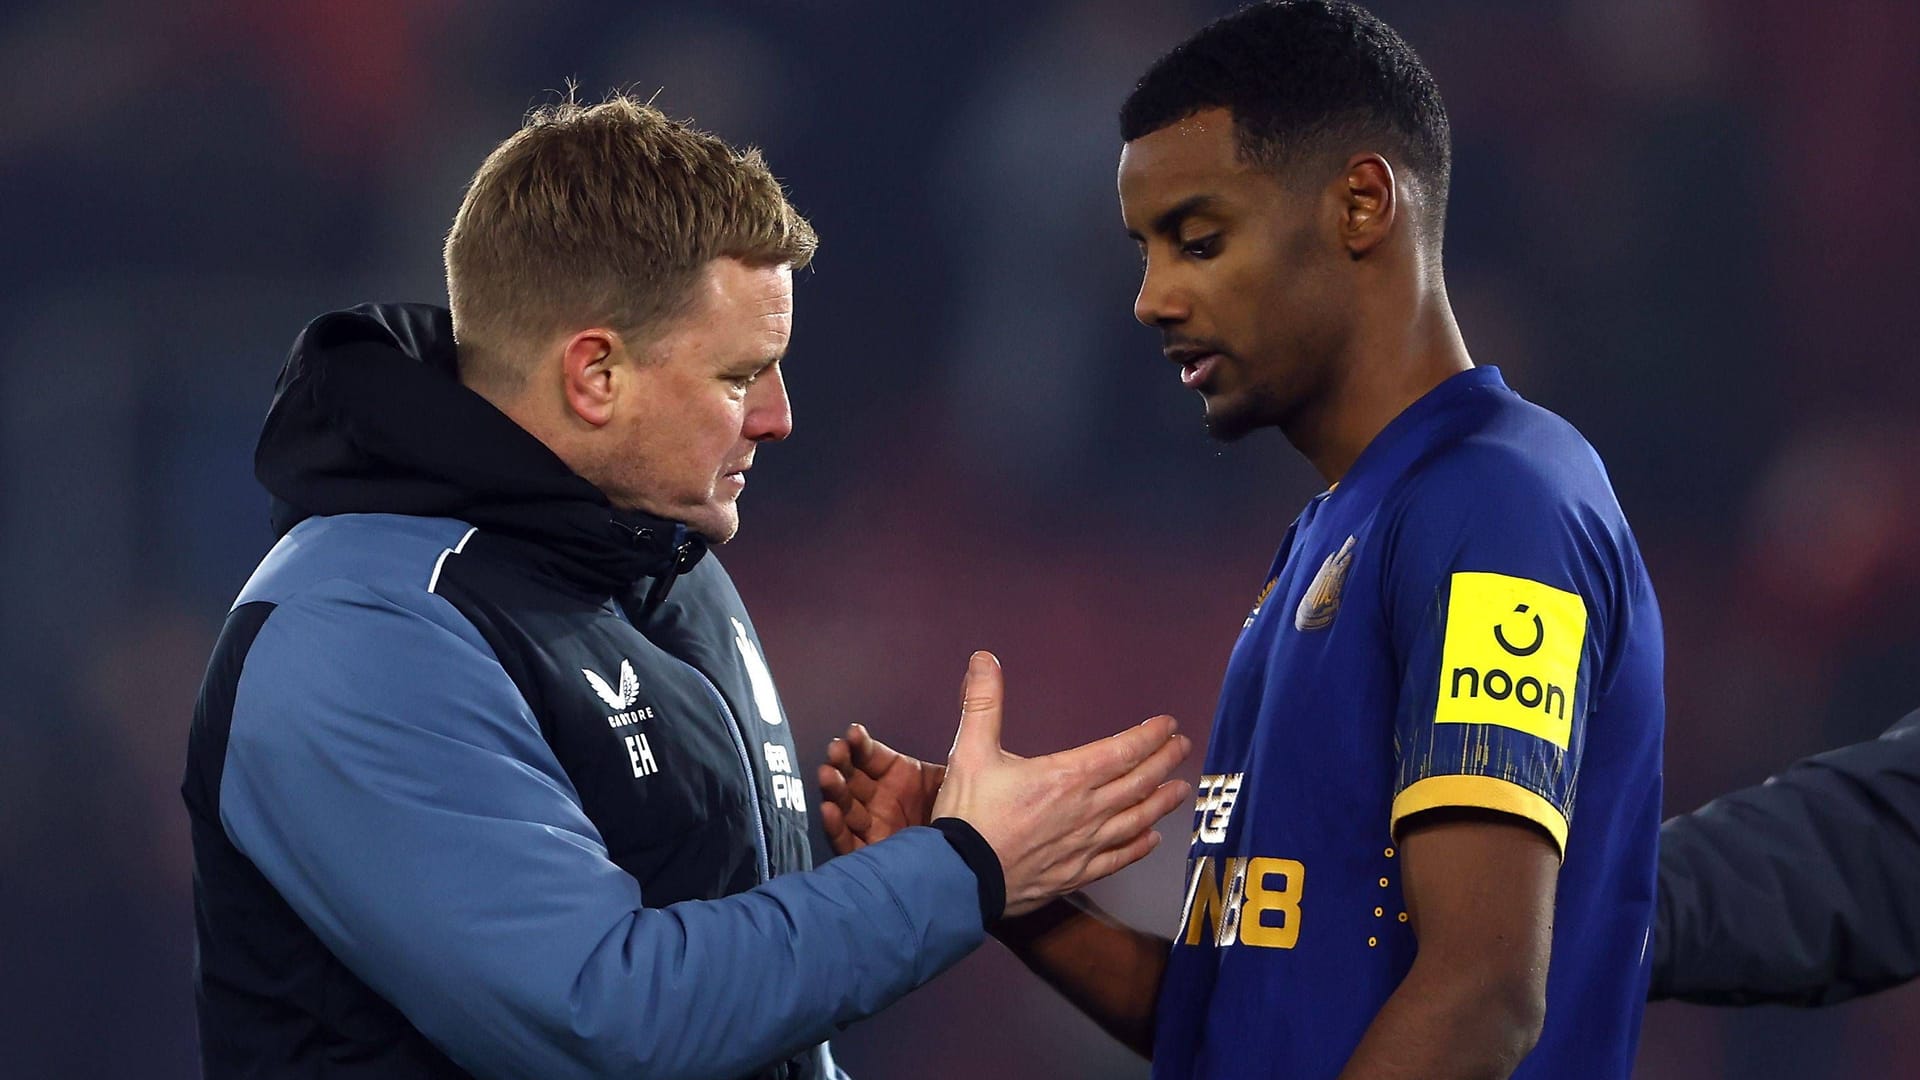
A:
1463	621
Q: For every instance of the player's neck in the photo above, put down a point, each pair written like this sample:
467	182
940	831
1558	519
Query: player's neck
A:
1395	362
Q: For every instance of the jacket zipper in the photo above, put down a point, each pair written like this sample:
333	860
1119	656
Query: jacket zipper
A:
762	840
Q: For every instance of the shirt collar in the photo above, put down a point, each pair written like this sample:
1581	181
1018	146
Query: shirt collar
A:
1407	435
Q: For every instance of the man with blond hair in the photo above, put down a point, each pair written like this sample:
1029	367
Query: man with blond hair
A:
488	775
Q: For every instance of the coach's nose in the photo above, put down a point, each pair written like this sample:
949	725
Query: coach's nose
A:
769	411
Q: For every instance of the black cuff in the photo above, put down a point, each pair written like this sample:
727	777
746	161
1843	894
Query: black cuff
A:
980	858
1019	931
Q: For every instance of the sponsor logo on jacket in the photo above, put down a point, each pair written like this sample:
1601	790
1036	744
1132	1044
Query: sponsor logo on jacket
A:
622	699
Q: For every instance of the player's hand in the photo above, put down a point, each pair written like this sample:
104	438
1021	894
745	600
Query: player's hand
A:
1061	821
869	791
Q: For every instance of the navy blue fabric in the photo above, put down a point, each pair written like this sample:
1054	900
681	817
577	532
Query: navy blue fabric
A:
1804	890
384	775
1356	697
489	777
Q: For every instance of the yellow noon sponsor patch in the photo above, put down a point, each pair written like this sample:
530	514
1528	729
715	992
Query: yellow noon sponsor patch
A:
1511	655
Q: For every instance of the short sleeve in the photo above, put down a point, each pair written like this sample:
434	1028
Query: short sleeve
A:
1499	602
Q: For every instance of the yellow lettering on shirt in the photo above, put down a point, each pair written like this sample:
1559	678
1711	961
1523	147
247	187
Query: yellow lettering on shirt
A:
1203	900
1251	901
1283	903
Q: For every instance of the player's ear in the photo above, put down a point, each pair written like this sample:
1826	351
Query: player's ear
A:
589	362
1369	201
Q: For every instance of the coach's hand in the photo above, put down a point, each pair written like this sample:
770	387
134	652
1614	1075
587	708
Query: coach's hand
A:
1061	821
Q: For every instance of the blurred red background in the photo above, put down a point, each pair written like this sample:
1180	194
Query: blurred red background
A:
1683	225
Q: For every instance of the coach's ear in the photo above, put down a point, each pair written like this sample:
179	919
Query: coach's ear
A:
1369	201
588	362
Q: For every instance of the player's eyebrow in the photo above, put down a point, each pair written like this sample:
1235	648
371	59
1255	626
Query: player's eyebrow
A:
1168	222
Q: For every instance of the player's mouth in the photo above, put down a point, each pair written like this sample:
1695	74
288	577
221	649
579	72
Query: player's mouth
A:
1197	365
736	478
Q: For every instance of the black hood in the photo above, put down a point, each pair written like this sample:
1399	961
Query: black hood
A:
369	417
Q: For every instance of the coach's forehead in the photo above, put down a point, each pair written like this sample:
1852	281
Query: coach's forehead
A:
731	286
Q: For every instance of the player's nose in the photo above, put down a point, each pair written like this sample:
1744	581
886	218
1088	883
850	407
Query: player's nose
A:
1160	302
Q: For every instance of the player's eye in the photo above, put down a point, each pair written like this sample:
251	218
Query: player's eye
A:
1202	247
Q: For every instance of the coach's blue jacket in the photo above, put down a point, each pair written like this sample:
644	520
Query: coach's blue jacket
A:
488	779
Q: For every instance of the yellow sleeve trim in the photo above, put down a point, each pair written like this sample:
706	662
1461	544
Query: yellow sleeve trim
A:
1486	792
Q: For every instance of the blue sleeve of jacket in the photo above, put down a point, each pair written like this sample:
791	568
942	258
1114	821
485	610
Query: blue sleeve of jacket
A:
1804	890
386	776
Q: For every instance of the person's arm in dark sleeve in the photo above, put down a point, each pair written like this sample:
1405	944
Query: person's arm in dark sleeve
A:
386	776
1804	890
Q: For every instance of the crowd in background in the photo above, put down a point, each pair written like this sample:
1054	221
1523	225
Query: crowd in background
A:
1683	225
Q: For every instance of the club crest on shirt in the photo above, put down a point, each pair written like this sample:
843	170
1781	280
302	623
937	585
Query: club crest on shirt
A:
1322	600
1260	602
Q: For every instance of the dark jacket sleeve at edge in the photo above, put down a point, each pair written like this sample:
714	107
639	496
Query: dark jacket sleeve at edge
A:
1804	890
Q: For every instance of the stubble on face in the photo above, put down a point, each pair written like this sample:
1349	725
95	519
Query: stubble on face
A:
1230	418
701	397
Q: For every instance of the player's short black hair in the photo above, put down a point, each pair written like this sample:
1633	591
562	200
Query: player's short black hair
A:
1302	78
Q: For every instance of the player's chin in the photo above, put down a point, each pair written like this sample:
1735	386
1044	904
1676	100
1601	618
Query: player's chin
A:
1230	417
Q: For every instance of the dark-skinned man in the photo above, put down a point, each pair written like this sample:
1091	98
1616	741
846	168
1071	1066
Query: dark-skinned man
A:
1386	877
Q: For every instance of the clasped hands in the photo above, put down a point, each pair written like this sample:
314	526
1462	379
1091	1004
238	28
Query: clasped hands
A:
1057	822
